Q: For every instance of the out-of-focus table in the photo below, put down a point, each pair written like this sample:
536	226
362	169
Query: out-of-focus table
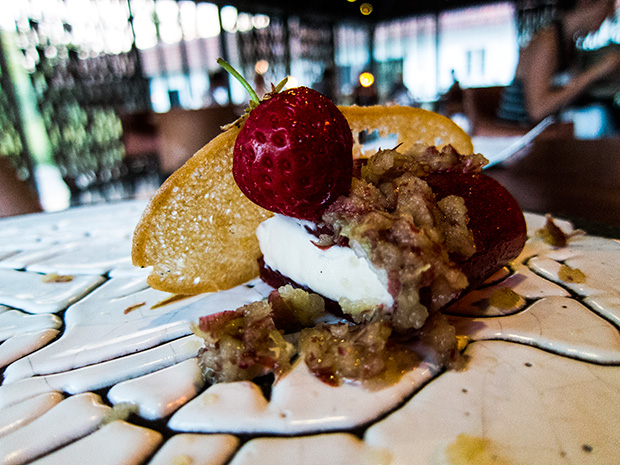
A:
570	178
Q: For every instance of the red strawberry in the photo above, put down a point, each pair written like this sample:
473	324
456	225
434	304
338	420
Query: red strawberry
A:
294	154
495	219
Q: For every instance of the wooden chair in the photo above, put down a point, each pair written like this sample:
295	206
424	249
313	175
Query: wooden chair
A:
183	132
17	197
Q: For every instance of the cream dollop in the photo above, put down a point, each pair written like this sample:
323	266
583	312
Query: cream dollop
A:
335	272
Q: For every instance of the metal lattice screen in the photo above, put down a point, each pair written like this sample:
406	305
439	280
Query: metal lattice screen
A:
81	81
80	96
291	46
80	100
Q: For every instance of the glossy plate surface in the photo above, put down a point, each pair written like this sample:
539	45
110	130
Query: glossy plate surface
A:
99	368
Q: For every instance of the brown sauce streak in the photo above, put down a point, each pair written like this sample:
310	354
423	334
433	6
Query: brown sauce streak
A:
171	299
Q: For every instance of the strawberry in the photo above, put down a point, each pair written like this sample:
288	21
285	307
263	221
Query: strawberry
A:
495	219
293	155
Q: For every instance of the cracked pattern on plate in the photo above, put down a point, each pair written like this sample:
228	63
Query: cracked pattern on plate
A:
99	368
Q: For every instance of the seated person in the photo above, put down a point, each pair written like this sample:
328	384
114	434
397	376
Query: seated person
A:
545	80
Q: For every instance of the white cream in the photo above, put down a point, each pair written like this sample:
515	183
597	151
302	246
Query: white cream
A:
336	272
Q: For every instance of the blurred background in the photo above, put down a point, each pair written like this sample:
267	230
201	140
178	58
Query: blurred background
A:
102	99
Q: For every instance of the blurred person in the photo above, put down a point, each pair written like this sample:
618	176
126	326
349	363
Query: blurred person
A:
260	86
327	84
218	89
399	93
547	79
451	103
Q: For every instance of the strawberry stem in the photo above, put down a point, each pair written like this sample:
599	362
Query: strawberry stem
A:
253	95
281	85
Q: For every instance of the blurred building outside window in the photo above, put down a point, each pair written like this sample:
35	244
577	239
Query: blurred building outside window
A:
479	44
179	40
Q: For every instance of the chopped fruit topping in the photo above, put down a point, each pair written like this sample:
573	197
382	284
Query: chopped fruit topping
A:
56	278
553	235
294	309
571	275
364	353
393	218
247	343
505	299
242	344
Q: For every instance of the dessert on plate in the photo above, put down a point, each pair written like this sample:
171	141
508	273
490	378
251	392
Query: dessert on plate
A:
97	364
386	241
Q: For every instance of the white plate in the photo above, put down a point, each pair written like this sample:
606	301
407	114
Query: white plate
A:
103	373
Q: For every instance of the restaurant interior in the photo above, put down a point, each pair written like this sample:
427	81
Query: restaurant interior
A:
155	318
103	99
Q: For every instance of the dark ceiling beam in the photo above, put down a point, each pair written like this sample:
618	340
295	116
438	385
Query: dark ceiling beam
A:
345	11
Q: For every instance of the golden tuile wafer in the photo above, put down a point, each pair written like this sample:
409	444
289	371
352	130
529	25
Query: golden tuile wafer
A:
198	231
411	126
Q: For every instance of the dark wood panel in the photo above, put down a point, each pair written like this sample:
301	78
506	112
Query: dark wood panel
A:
574	179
